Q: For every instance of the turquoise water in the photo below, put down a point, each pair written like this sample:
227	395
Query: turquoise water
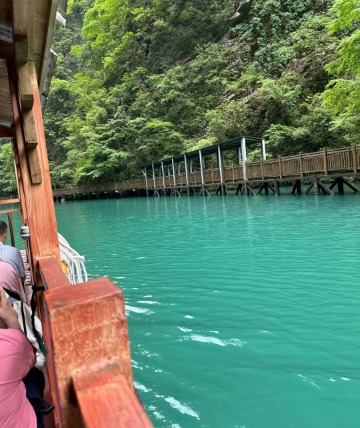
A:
243	312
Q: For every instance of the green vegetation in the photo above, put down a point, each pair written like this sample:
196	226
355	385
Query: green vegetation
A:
140	80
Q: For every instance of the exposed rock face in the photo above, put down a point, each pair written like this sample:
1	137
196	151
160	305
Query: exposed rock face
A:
241	12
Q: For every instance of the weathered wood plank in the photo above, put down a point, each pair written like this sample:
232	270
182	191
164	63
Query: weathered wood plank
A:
6	132
30	129
9	201
21	49
102	339
25	87
104	391
37	202
20	17
51	275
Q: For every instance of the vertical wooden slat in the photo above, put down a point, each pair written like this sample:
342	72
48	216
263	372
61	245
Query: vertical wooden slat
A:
354	160
301	165
280	167
11	227
325	157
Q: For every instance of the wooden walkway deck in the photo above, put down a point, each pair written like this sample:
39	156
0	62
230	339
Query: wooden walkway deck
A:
321	171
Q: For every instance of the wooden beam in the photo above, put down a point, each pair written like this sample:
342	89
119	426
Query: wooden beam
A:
9	201
25	87
20	17
34	165
37	199
6	132
68	314
51	275
30	129
21	49
15	210
104	391
50	25
6	50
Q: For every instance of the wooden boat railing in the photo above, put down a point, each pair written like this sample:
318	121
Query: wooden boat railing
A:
9	213
89	364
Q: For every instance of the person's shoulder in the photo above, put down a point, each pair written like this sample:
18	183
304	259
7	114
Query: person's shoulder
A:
12	334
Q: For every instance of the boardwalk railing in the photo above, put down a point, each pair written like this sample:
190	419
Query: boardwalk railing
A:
344	161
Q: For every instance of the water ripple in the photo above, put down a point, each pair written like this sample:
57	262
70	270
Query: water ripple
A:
254	317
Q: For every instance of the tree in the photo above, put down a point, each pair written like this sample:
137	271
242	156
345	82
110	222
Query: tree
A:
342	96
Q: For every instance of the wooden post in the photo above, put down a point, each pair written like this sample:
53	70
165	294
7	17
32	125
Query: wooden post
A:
262	169
340	185
37	203
187	174
174	171
325	161
301	165
243	152
11	228
220	165
316	186
154	176
280	167
263	149
354	160
163	176
146	181
238	156
202	168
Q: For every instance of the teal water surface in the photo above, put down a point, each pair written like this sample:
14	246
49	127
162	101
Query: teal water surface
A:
242	312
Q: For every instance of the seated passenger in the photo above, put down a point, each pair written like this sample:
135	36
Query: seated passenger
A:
11	254
34	381
17	357
10	280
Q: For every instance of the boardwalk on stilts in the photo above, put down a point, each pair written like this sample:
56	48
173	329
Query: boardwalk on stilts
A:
320	172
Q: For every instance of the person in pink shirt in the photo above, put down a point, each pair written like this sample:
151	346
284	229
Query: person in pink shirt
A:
17	357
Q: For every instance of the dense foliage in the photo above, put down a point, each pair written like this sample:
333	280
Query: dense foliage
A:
140	80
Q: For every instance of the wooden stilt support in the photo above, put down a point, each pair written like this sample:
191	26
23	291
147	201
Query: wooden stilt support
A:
320	187
175	192
204	191
340	182
353	188
296	187
245	189
156	193
274	186
221	190
323	187
265	187
311	185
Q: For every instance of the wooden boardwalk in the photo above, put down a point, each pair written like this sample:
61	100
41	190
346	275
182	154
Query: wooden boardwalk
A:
322	172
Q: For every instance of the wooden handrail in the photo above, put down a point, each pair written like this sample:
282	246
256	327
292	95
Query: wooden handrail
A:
9	201
85	330
10	223
106	400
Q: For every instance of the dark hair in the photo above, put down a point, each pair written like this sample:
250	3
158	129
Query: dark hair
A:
3	228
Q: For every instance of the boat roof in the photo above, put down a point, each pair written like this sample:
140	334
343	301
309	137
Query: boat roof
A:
205	151
27	32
